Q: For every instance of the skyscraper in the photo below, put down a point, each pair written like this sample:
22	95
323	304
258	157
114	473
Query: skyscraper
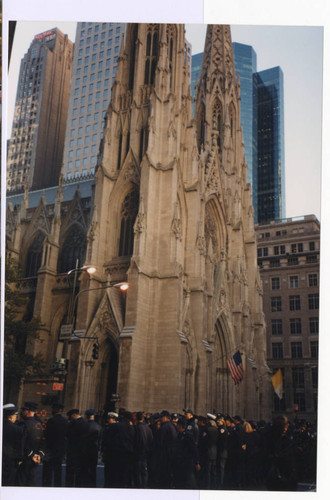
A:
37	140
270	179
262	120
246	65
97	47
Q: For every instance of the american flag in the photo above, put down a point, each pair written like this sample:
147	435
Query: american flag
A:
235	367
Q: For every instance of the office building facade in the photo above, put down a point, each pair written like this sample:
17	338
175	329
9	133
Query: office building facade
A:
97	48
289	264
270	178
245	66
36	145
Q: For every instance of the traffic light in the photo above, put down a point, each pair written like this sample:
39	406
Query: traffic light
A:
95	354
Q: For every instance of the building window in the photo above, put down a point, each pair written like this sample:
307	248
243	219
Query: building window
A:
300	247
293	261
34	254
294	301
314	349
277	250
294	282
151	54
282	249
313	301
315	377
299	400
294	248
312	246
298	378
277	350
259	252
296	350
295	326
275	283
277	327
313	326
312	279
276	304
74	247
265	252
129	212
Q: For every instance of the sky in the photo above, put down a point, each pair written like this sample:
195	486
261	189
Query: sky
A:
298	50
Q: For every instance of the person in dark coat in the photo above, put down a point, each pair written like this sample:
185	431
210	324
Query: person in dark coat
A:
143	447
208	449
93	445
76	462
282	475
123	447
192	427
108	449
184	458
33	445
222	454
167	436
55	446
12	445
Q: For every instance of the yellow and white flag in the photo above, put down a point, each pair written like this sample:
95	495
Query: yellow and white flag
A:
277	381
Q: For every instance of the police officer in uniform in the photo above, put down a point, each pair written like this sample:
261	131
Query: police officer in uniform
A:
192	427
185	459
33	445
55	446
93	445
76	463
12	445
109	457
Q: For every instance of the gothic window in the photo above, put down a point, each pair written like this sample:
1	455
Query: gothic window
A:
151	54
74	247
132	60
217	121
201	125
128	214
33	260
127	142
170	32
120	142
143	142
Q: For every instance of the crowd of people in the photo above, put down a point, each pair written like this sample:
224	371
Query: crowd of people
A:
161	450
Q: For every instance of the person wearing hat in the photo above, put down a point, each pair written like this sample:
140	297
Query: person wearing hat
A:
93	445
12	445
76	462
33	445
55	446
208	449
167	436
192	427
185	458
143	447
222	454
108	449
123	448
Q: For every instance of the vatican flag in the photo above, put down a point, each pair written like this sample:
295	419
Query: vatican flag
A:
277	381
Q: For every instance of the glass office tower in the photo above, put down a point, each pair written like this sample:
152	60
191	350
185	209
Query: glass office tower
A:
245	60
97	47
271	168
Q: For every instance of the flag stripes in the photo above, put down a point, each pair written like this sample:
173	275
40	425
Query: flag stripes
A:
235	367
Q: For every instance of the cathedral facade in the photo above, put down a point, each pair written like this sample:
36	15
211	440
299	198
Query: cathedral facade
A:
170	212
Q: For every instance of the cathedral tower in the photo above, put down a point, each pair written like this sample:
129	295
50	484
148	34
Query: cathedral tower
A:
173	216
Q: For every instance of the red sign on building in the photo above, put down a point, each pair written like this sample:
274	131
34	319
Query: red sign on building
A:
57	386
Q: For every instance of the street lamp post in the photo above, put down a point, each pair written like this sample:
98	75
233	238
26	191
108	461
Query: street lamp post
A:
68	330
